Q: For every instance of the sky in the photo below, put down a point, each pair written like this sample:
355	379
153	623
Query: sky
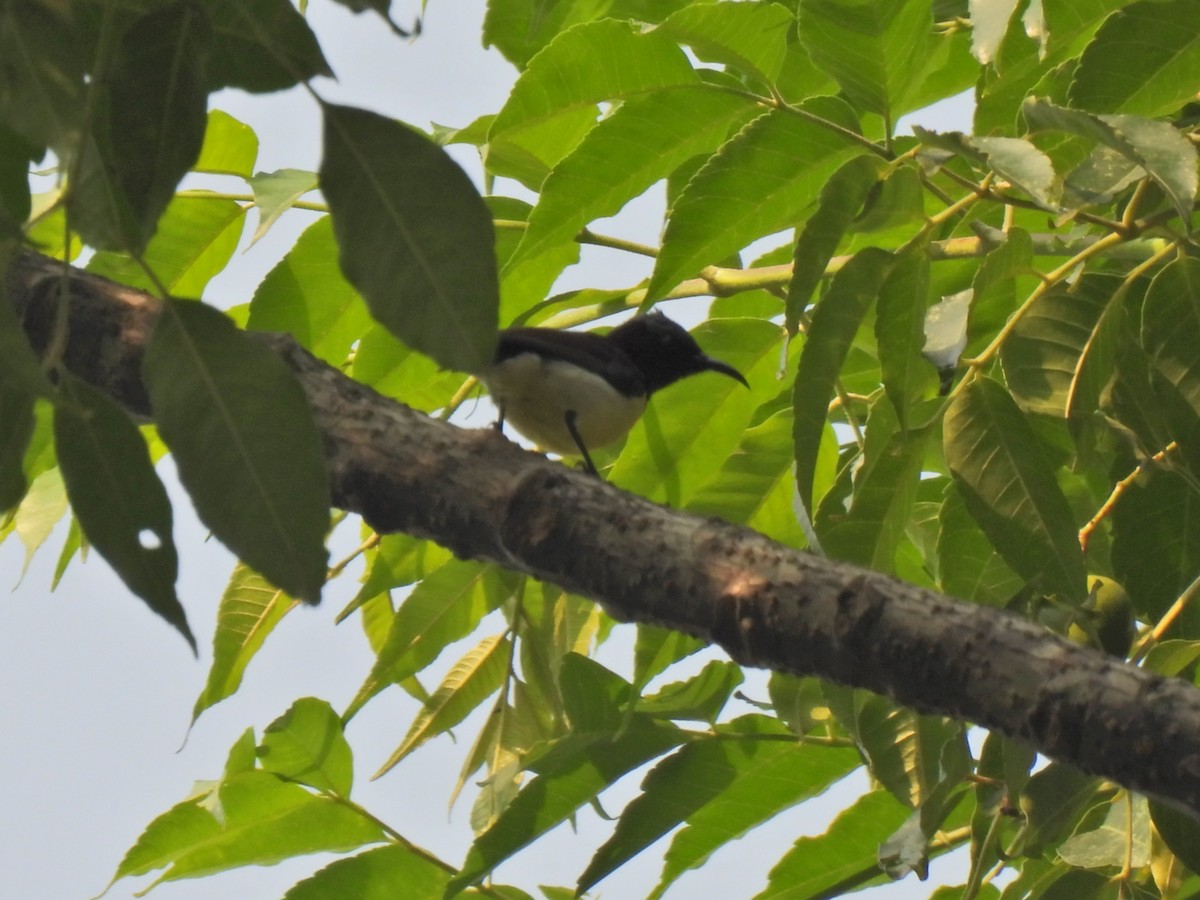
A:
98	691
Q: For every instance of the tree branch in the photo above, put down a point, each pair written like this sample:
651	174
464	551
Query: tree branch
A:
766	604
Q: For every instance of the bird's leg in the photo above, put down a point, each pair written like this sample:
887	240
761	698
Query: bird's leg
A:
587	460
499	423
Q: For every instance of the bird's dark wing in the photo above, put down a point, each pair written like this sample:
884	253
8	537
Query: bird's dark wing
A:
585	349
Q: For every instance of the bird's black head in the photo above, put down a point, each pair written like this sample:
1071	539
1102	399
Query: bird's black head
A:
665	352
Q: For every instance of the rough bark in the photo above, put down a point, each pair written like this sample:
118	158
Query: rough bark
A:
766	604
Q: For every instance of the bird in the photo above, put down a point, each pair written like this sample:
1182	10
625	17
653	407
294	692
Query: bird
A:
571	391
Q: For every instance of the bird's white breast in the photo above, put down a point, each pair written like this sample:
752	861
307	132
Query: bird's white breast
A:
536	394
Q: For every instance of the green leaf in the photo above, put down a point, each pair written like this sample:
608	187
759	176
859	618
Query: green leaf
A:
993	289
1155	539
574	771
842	198
700	698
870	531
1179	831
310	299
470	681
147	130
445	607
968	567
718	788
1097	361
250	609
243	438
761	181
750	38
384	873
195	239
306	745
415	237
276	192
834	323
16	428
1158	147
42	92
900	330
120	503
230	146
251	818
643	141
690	428
261	46
1171	326
1009	488
989	24
903	750
387	365
657	648
1042	352
585	65
19	365
398	560
16	154
1164	38
844	857
594	697
1014	159
755	486
45	502
1054	799
1118	842
520	28
876	50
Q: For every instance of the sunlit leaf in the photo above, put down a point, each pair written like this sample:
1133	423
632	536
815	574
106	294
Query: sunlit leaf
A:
306	745
195	239
750	38
700	698
307	296
845	855
445	607
469	683
718	789
875	50
253	818
230	146
249	610
276	192
570	774
689	428
643	141
383	873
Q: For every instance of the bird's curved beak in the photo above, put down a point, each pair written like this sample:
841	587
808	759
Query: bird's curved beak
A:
715	365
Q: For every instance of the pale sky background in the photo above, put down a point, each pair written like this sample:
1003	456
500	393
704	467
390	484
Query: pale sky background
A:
98	691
